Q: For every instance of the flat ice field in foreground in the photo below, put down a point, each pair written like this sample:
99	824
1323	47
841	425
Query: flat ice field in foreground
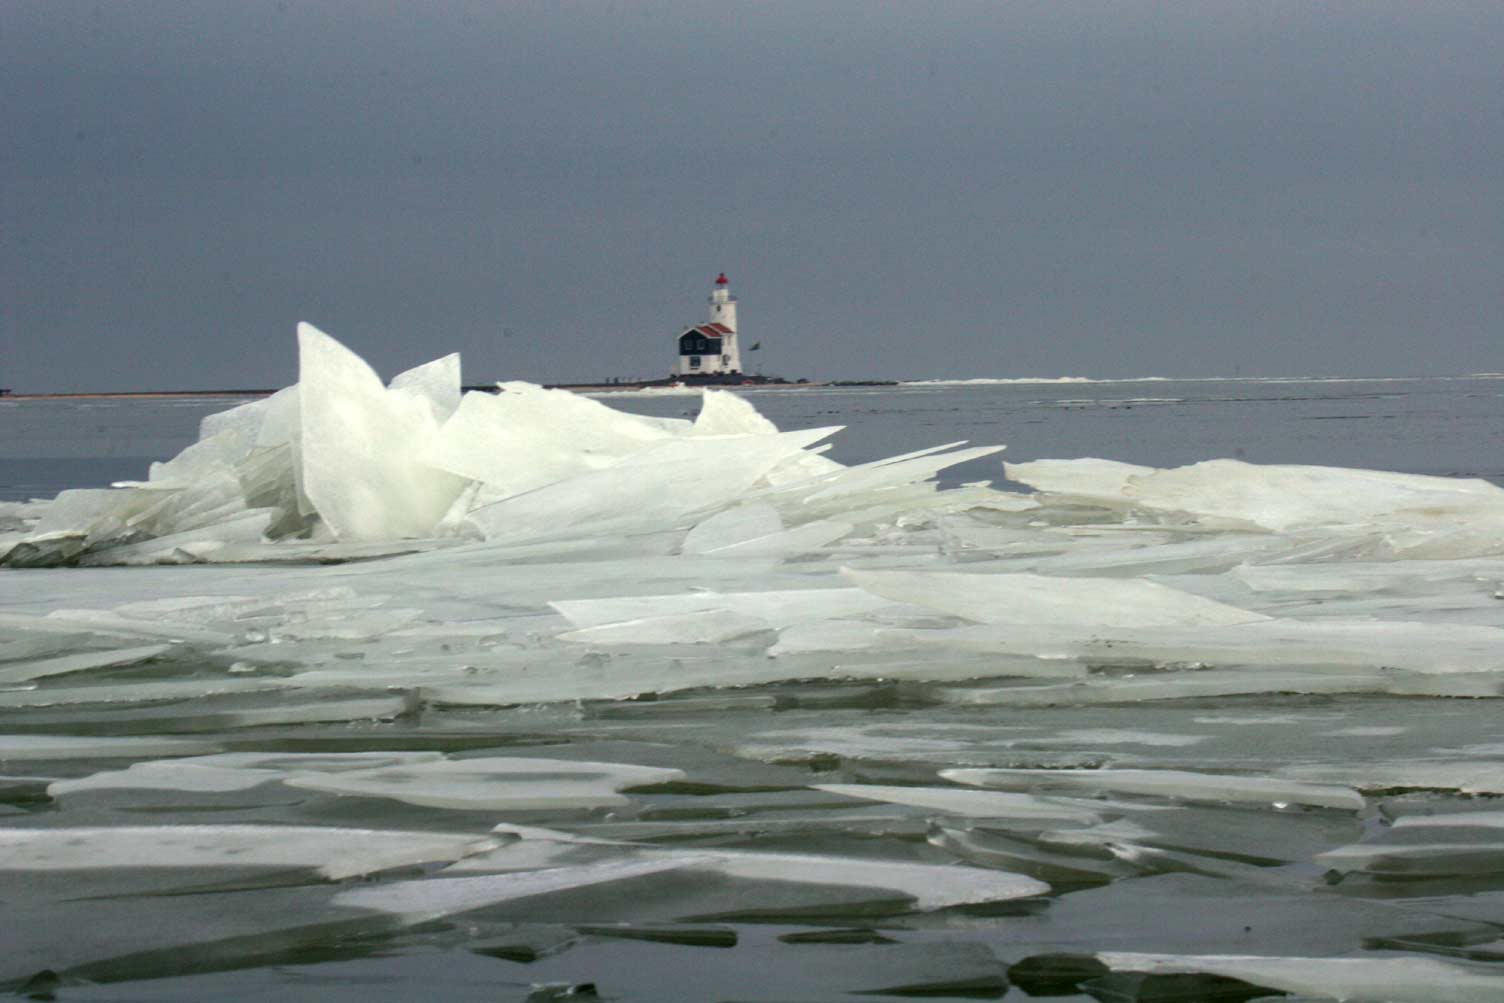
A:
380	671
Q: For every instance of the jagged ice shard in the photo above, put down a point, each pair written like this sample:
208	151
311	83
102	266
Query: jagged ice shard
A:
527	659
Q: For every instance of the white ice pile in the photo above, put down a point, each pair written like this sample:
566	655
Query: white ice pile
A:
402	543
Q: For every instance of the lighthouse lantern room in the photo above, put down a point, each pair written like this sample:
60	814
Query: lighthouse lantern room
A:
710	349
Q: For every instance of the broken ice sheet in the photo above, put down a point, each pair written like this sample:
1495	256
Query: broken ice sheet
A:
674	482
1274	497
25	671
1023	808
1369	979
1449	855
1180	784
425	779
527	436
333	853
33	747
493	783
1463	776
229	771
755	529
762	884
360	445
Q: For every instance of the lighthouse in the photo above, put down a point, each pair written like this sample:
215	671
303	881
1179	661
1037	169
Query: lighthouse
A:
710	349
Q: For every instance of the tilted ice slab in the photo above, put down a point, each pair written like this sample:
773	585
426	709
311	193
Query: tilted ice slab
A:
231	771
527	436
334	853
1417	860
494	783
1367	979
979	804
1461	775
1277	498
926	887
1180	784
665	486
360	443
32	747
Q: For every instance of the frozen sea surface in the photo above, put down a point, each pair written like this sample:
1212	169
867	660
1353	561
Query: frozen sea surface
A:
678	707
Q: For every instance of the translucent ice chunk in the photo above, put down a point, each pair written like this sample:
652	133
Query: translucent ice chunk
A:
812	536
360	444
437	383
870	479
724	413
679	481
1099	480
755	530
248	527
732	526
527	436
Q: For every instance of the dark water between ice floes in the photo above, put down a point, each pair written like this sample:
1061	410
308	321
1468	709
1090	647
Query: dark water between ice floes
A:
1451	427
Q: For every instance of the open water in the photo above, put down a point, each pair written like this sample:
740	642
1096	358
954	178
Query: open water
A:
1181	875
1447	426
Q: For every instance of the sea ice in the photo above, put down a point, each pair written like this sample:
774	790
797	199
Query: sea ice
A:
1180	784
476	784
1018	807
1366	979
334	852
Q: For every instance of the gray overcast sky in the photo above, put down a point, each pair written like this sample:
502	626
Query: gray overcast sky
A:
896	189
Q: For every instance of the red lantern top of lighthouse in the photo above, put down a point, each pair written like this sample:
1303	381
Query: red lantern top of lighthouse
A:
721	279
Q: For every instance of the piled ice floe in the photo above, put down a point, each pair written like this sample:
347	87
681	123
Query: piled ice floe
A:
512	660
340	462
595	554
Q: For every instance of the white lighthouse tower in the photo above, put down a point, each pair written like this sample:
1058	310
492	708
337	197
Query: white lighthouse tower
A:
711	349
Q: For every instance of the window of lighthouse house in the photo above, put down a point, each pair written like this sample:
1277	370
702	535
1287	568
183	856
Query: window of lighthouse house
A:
694	362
